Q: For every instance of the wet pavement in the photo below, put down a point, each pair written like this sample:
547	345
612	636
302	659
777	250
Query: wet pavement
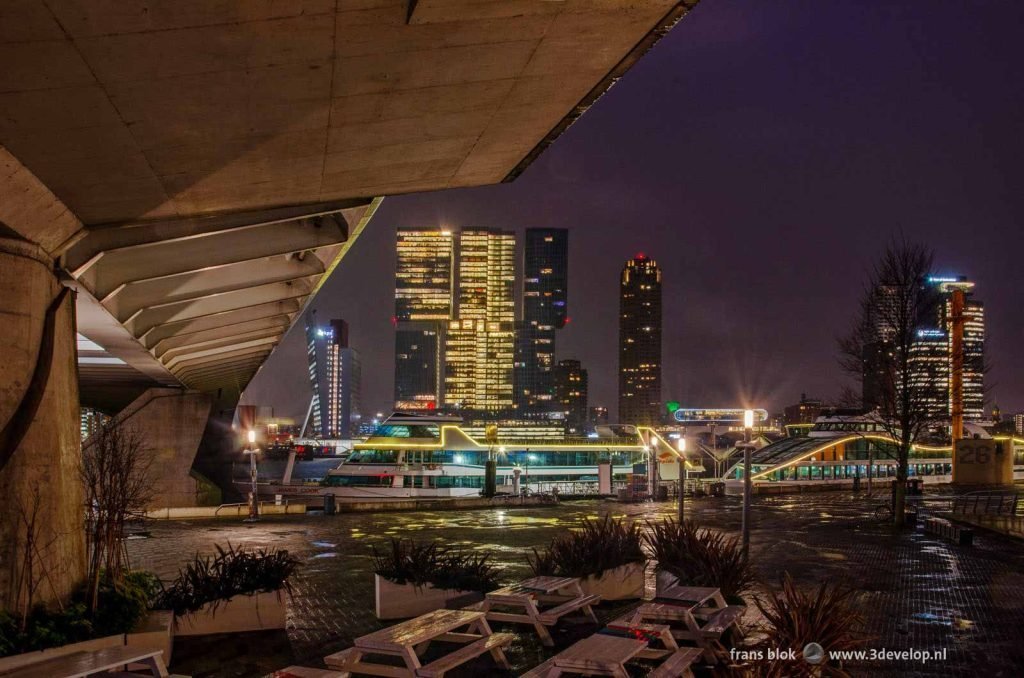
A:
921	592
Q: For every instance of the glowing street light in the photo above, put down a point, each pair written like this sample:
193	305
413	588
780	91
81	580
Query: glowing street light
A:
748	424
681	461
251	450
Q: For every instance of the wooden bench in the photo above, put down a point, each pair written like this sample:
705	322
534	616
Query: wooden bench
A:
83	664
944	528
719	622
493	643
307	672
678	664
554	614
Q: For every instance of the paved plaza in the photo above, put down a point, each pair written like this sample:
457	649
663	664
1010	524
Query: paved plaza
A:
920	591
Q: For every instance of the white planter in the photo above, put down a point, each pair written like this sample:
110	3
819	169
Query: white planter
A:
403	601
260	612
155	632
622	583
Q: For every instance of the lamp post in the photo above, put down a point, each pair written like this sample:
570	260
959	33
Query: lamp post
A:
681	461
251	450
748	425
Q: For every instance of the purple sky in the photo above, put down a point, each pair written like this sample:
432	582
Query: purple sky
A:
762	153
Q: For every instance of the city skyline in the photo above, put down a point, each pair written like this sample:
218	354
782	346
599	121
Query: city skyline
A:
767	230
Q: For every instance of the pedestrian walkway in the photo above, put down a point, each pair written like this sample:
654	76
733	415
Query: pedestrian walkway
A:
921	591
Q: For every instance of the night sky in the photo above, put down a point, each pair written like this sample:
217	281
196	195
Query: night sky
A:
762	153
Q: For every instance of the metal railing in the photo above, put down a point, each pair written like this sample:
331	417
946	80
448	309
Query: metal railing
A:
987	503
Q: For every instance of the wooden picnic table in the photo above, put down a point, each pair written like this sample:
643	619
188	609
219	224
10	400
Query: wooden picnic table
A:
699	595
598	655
409	639
93	663
690	612
564	593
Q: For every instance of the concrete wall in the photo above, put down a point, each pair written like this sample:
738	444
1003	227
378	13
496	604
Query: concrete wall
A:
172	422
47	457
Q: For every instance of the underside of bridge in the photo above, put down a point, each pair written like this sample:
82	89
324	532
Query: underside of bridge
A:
193	170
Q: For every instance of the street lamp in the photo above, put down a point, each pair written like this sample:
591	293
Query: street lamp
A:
681	461
748	425
251	450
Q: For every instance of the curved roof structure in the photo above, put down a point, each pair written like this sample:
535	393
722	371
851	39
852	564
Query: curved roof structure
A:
196	168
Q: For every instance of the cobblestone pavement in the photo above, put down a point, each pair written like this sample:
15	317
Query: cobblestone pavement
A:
920	592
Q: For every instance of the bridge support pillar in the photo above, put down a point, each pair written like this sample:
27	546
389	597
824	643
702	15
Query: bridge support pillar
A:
40	440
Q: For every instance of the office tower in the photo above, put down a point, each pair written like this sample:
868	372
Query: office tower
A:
640	342
334	373
804	412
973	358
933	359
424	276
480	339
1018	423
929	371
570	380
545	297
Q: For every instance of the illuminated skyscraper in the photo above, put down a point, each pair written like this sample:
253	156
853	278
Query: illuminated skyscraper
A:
640	342
423	308
545	297
334	374
480	340
973	341
570	381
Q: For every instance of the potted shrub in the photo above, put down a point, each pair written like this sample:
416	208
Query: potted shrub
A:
412	578
236	590
690	556
606	555
793	618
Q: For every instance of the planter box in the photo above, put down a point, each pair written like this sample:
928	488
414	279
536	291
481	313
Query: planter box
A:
403	601
155	632
260	612
622	583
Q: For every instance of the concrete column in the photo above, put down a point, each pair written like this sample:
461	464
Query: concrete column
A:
40	442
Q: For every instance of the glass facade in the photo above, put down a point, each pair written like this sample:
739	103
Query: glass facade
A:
640	342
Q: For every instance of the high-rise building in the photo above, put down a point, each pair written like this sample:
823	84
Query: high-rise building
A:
640	342
334	373
973	360
480	339
570	381
932	358
424	278
545	299
1018	423
929	371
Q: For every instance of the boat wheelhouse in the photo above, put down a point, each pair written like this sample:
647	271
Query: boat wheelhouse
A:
433	456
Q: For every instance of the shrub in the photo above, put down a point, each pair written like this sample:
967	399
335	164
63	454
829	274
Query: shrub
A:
232	572
44	629
421	563
700	557
793	618
598	546
121	605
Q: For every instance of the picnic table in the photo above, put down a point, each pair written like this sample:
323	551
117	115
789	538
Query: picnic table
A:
410	639
94	663
699	595
700	623
604	655
561	597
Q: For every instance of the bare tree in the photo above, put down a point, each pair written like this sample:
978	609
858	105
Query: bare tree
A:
33	566
881	350
116	473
